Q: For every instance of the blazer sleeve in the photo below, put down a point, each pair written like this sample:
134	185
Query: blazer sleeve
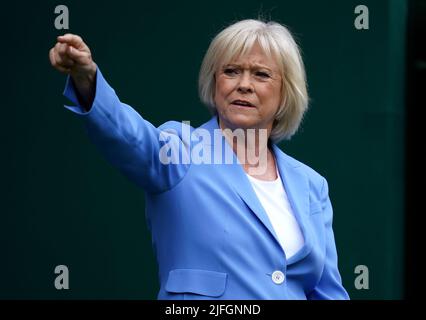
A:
330	285
128	141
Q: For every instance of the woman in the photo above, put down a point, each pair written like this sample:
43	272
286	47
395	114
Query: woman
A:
256	227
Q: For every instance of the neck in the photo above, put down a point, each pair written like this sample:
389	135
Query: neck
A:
251	148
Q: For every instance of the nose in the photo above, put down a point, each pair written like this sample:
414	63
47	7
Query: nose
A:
245	85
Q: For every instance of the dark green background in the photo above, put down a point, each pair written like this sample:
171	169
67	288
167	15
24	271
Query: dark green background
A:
61	203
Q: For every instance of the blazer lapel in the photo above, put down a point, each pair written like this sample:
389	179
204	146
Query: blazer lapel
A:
296	185
243	187
238	179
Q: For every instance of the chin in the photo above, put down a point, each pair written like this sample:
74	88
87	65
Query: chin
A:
240	121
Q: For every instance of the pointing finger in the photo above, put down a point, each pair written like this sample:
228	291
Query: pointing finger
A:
74	40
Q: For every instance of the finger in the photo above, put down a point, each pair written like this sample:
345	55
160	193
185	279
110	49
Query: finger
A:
59	48
51	57
62	48
64	61
74	40
63	54
58	59
77	55
55	64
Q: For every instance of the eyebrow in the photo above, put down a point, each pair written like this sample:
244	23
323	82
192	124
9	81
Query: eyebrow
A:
254	66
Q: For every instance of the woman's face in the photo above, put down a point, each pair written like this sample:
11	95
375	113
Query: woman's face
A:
248	91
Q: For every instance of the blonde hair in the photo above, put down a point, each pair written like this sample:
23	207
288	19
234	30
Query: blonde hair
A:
276	40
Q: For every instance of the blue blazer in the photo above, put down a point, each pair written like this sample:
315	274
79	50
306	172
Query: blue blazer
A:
211	235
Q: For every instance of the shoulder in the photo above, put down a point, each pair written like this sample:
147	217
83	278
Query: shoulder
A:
316	180
176	126
186	132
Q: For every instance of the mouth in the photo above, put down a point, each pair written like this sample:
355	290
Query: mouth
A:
243	104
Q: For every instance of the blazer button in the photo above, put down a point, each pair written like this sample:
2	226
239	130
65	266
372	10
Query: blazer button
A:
278	277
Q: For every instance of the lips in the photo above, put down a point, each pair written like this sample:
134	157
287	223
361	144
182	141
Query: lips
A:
243	103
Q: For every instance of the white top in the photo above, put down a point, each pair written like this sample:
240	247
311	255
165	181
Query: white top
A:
274	200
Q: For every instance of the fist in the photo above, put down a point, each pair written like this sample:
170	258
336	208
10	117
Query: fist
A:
72	56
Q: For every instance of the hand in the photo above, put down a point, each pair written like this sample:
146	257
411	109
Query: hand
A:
72	56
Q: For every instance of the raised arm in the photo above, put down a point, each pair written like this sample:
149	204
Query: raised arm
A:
128	141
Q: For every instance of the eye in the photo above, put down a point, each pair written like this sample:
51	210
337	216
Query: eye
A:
230	71
262	74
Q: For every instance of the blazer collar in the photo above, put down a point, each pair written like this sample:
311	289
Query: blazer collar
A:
296	185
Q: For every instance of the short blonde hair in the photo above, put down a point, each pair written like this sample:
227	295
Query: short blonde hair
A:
275	39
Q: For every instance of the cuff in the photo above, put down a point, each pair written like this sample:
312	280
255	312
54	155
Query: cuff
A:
71	94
